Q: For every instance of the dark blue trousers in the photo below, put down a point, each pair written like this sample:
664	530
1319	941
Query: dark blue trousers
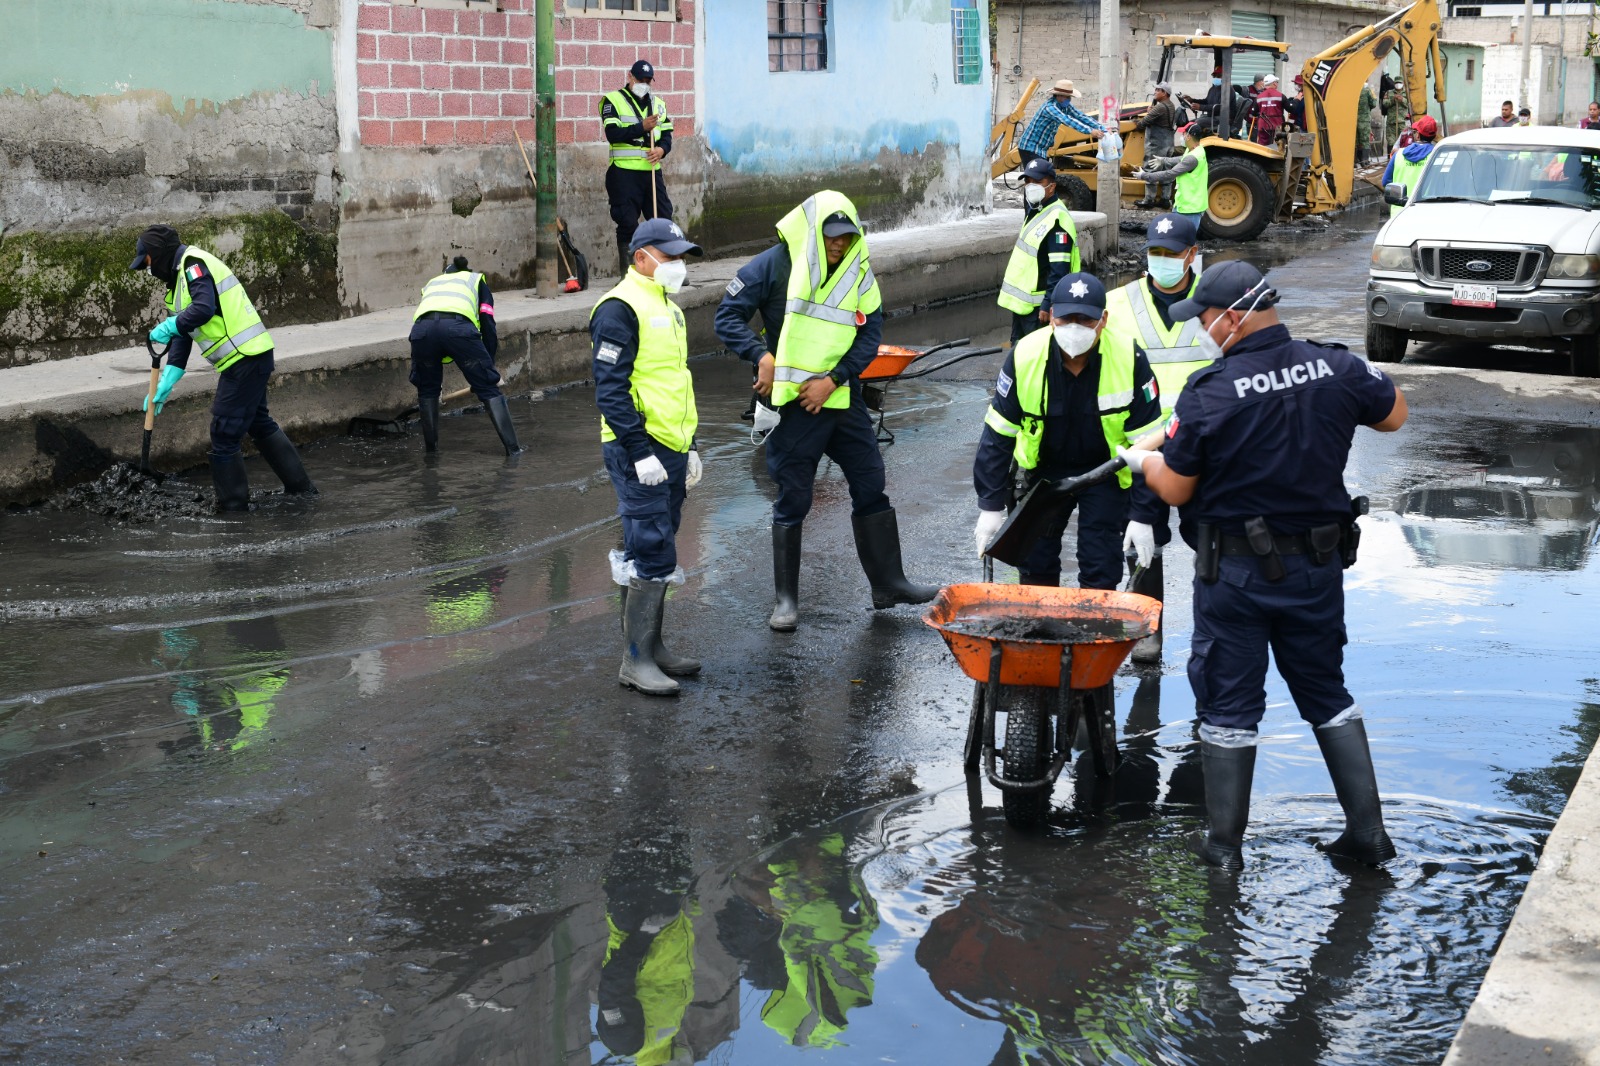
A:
629	193
1102	520
800	441
1242	614
240	405
434	339
650	514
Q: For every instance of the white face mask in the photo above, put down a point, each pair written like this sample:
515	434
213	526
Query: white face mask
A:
1208	343
640	89
670	274
1075	339
1033	193
765	421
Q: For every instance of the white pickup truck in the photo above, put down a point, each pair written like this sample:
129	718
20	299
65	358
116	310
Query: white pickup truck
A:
1499	242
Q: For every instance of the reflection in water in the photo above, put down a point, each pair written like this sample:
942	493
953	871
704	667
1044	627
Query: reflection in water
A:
227	713
1536	505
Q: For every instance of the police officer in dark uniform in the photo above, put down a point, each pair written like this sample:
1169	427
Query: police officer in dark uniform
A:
1255	458
210	309
639	131
455	322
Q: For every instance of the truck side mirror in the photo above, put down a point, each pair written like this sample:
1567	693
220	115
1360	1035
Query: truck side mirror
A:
1394	194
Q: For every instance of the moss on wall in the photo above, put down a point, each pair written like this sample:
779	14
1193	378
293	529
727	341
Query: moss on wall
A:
65	294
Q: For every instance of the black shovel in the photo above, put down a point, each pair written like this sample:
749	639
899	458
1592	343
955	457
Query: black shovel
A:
1038	509
150	408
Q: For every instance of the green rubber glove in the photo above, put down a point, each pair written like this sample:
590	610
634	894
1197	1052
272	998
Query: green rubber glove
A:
169	378
165	331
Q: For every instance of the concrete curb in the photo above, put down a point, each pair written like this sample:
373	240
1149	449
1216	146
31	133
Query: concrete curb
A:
64	421
1538	1000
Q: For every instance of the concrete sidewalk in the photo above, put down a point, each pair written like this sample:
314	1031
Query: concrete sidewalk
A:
65	421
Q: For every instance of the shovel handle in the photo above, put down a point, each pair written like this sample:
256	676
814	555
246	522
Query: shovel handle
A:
150	400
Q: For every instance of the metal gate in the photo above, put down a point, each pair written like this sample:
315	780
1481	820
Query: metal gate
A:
1246	65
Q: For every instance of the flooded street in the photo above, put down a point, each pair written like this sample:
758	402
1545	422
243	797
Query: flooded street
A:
352	780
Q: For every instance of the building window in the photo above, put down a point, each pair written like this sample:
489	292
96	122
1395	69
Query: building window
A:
1472	67
662	10
797	35
966	26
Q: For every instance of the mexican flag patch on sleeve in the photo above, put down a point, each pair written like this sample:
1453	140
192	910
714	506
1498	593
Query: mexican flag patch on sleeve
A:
195	271
1151	391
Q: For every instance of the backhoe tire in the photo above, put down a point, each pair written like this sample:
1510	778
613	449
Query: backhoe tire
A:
1385	344
1241	200
1027	753
1074	193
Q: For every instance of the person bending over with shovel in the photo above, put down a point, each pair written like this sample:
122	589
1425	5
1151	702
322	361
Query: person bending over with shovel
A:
455	323
209	308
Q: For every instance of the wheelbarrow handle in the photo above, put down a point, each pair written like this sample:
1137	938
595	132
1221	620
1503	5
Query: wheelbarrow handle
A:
971	353
942	347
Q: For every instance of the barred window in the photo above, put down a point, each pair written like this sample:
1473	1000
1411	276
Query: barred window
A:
797	35
966	23
663	10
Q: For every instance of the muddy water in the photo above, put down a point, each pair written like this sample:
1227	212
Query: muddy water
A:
351	779
997	626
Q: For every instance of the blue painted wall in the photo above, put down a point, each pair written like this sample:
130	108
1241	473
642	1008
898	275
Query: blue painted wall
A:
891	86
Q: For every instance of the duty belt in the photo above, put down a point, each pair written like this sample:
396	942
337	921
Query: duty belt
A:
1283	543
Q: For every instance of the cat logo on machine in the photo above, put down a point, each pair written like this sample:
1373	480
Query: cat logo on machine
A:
1323	73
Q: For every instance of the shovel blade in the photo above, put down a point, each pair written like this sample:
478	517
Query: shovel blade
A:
1038	510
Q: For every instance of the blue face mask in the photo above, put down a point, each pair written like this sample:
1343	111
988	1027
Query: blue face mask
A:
1216	81
1164	270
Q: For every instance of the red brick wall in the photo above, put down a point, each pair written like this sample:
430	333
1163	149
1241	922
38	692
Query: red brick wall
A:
435	77
431	77
593	56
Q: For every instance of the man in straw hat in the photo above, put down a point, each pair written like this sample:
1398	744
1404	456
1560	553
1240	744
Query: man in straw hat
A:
1052	114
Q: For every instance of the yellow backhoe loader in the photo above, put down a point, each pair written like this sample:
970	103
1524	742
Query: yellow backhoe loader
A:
1304	171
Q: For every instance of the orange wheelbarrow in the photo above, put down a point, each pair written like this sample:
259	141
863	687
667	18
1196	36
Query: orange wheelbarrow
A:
892	363
1045	657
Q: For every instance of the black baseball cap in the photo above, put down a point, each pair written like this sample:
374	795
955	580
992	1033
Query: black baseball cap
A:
642	71
663	233
1172	232
1078	294
1039	169
838	224
152	242
1234	284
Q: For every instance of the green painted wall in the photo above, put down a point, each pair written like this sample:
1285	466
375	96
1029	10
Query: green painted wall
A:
200	50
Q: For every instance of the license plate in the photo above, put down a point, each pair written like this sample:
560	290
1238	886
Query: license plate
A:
1474	295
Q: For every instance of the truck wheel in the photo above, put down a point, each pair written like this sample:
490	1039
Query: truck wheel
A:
1074	193
1240	202
1385	344
1027	753
1586	356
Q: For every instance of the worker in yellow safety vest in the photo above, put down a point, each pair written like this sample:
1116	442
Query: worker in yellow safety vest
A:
454	323
1139	318
1407	164
1046	250
639	133
208	308
1190	174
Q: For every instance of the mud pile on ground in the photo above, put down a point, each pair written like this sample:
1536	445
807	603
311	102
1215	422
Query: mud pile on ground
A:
124	494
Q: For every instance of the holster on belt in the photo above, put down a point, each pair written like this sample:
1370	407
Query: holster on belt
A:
1325	540
1350	541
1259	535
1207	552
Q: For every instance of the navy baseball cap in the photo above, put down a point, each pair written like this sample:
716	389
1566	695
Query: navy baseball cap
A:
838	224
663	233
1172	232
1234	284
1039	169
642	71
1078	294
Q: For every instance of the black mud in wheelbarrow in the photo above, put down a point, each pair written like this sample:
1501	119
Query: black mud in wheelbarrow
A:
902	363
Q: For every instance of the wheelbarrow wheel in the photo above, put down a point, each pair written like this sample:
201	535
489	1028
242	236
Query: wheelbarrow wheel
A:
1027	753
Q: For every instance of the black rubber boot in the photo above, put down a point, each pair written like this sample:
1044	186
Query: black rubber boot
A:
624	257
641	617
428	410
878	546
232	485
1349	759
1229	773
786	577
500	418
279	452
1149	582
671	665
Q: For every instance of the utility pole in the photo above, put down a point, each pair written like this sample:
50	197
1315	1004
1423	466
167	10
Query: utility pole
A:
1561	115
1108	195
1527	54
545	274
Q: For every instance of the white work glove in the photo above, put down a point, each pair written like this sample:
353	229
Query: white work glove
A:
1134	457
989	523
692	478
1141	540
650	471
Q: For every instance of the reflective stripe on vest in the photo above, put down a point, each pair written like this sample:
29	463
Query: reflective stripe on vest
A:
236	330
1022	291
1174	354
1115	396
661	385
1406	173
632	156
455	292
1194	188
823	311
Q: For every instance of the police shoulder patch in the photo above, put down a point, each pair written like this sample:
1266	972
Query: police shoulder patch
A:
196	271
607	353
736	286
1002	387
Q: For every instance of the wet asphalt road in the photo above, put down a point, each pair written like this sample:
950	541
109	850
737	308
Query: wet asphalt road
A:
352	780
